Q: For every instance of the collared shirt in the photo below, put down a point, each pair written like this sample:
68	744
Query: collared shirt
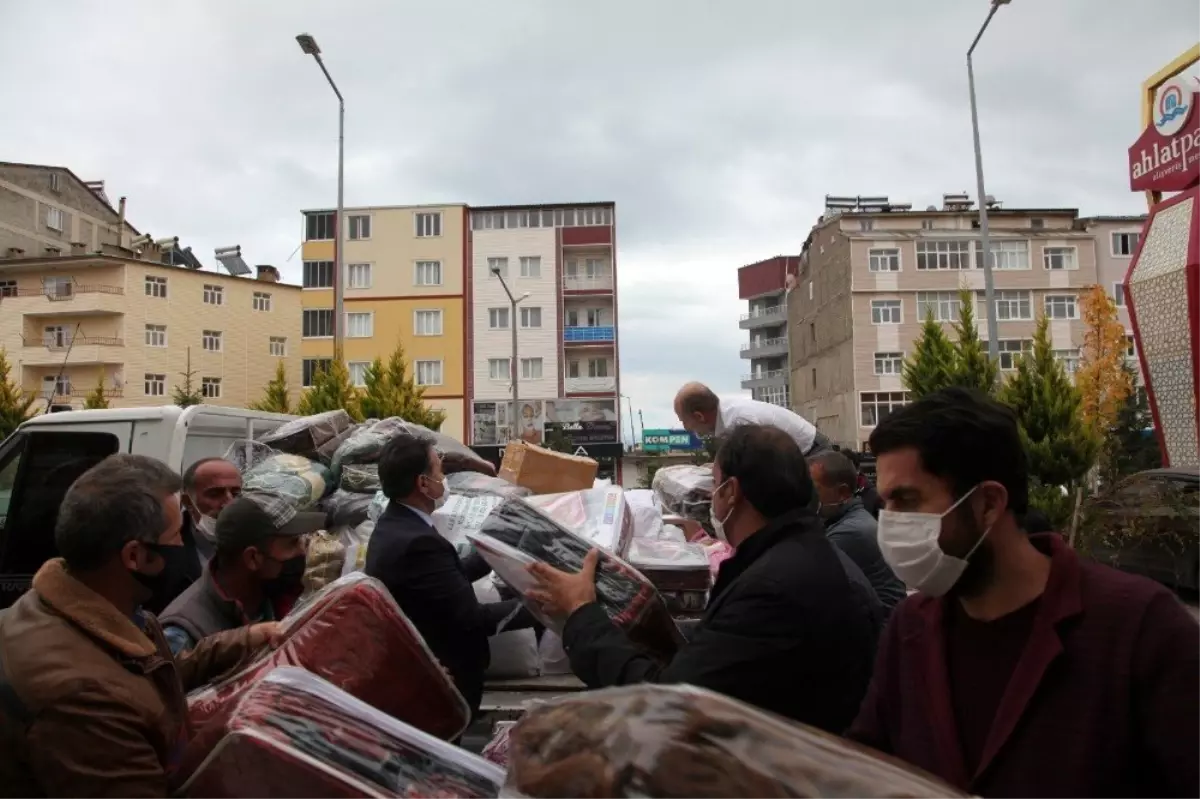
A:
422	515
742	410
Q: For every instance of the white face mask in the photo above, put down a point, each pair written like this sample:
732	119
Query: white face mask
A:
909	543
208	527
718	525
440	499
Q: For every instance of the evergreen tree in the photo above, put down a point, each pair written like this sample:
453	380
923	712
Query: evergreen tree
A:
972	368
276	398
391	391
558	441
929	366
97	400
1102	377
374	401
186	394
15	404
1130	445
330	391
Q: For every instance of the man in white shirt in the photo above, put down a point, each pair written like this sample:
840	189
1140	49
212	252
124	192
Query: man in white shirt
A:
702	412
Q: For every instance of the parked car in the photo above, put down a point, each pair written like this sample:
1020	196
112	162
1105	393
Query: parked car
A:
1148	524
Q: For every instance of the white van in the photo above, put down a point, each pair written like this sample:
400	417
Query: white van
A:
46	454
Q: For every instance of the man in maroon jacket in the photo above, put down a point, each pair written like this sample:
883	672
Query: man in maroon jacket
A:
1019	669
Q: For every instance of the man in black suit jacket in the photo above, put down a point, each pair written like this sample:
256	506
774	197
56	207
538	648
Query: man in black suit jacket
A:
424	573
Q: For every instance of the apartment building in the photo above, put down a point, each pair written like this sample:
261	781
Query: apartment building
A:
128	321
560	261
763	285
1117	239
871	271
404	285
48	210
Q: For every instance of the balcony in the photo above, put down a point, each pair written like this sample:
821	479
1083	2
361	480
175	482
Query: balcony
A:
594	284
763	317
65	299
777	377
589	335
766	348
590	385
55	350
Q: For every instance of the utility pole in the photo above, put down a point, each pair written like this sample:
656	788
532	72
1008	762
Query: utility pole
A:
513	301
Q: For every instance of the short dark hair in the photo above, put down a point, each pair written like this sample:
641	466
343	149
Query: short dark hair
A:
189	474
769	466
118	500
404	459
837	469
964	437
700	399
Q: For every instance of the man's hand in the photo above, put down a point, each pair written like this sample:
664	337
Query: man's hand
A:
560	594
267	633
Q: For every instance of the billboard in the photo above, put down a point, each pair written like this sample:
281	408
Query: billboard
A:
668	440
583	421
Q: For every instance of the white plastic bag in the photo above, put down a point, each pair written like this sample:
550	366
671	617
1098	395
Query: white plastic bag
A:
514	653
646	512
551	655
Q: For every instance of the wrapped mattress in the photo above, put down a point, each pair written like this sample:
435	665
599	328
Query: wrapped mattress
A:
306	435
354	635
517	534
685	490
600	515
681	741
293	734
680	572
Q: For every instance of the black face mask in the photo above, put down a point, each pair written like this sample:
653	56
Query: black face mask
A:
174	559
291	577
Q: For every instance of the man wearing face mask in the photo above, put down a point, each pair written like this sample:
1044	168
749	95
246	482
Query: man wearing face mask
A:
255	575
1019	669
92	702
424	573
791	623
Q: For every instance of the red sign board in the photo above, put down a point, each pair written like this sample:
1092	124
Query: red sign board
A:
1166	157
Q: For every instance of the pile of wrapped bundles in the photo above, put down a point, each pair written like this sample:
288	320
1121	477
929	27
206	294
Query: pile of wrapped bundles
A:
685	491
681	741
678	569
354	635
294	734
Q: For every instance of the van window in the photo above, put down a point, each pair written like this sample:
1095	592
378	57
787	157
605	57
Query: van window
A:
34	476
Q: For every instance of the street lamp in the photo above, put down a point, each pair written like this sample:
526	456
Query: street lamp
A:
309	45
516	414
989	286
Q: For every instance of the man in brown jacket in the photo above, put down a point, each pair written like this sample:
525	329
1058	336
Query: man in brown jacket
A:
91	701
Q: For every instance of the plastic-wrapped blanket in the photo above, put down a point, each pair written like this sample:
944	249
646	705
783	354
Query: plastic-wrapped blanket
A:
361	478
680	741
680	572
600	515
354	635
305	436
517	534
345	508
647	515
496	750
367	443
473	484
357	540
293	477
324	560
293	734
685	490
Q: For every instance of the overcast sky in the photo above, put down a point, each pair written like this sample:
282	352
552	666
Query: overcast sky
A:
716	127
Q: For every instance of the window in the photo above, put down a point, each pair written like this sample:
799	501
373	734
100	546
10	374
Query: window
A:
211	339
885	312
1037	223
55	337
597	367
317	323
360	325
428	226
1012	306
210	387
427	323
531	368
879	405
595	317
358	373
884	260
1059	258
8	288
309	368
866	225
278	346
55	287
429	373
156	287
1005	255
156	335
889	363
54	219
360	227
594	268
926	224
358	276
55	386
498	369
531	266
318	226
55	186
262	301
214	295
937	255
1069	359
156	385
1118	295
531	317
1061	306
428	273
941	305
498	318
318	275
497	266
1011	350
1130	346
1123	244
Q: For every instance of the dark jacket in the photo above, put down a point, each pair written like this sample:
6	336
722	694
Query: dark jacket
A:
870	497
854	531
791	627
184	568
432	585
1102	702
91	702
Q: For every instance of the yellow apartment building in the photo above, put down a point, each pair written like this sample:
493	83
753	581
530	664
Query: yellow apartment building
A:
404	284
124	318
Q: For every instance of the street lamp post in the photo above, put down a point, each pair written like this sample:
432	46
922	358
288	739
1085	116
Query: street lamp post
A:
309	45
989	285
516	414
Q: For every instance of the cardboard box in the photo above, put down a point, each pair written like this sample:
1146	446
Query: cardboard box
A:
545	471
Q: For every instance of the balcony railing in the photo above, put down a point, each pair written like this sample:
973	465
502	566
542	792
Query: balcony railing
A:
589	385
62	291
64	342
771	375
586	335
586	283
763	313
765	344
